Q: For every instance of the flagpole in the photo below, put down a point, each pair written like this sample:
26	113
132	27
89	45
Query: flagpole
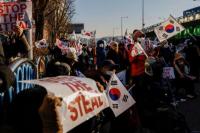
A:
192	36
111	78
143	14
122	25
142	49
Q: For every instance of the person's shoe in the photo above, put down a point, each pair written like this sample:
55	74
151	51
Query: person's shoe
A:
183	100
175	103
190	96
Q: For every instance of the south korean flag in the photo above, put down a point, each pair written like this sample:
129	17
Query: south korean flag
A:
119	98
168	29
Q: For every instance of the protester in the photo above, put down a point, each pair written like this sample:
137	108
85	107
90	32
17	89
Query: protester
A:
83	59
7	78
24	115
184	78
12	46
166	53
113	52
49	113
56	68
91	57
16	45
137	62
123	56
192	56
100	52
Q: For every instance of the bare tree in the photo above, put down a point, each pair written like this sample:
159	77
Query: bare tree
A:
39	7
58	14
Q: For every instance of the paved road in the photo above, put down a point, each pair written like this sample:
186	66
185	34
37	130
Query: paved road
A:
191	110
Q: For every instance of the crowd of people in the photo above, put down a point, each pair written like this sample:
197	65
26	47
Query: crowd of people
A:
144	70
144	63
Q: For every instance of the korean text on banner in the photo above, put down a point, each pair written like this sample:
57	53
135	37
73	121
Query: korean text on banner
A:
168	29
15	13
81	98
119	98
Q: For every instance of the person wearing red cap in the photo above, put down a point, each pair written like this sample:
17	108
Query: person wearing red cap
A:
137	62
137	71
184	79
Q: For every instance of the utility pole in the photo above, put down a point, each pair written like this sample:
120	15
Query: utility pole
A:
122	25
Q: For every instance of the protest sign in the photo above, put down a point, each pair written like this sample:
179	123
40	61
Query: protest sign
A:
168	73
15	13
81	98
119	98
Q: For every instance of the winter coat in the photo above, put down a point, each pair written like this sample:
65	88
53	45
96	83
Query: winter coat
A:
137	64
112	55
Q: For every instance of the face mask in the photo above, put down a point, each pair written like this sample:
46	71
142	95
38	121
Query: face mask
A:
90	49
109	72
166	45
141	39
101	45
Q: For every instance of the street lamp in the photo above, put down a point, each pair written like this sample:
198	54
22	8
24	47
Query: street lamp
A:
122	25
143	14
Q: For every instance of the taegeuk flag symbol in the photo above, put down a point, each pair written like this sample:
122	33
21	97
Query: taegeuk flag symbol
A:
119	98
168	29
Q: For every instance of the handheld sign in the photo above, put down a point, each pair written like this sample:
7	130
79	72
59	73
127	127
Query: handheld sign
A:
81	98
168	73
15	13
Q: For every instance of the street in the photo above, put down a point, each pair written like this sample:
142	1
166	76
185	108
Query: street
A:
190	110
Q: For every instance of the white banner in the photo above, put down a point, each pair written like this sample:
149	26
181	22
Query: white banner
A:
15	13
119	98
81	98
168	29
